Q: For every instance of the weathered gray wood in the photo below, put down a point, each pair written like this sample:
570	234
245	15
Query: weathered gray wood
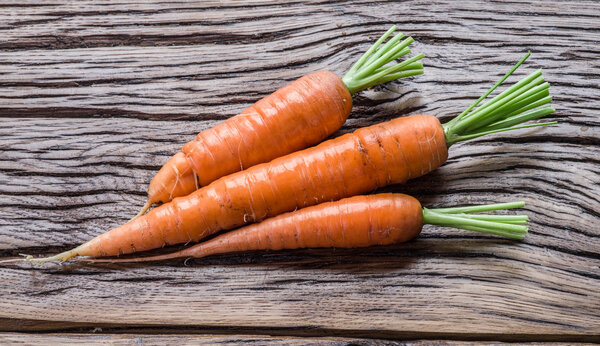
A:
97	338
95	97
135	339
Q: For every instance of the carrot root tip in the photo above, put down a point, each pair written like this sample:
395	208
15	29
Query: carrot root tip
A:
143	210
12	260
62	257
21	259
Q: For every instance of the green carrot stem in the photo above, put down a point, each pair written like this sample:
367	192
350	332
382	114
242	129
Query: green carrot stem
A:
520	118
503	107
479	134
484	96
511	235
480	208
385	48
393	76
492	218
375	65
510	226
400	54
536	100
512	90
411	66
370	51
526	100
385	75
457	221
384	58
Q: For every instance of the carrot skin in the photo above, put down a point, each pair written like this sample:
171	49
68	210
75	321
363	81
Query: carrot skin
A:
356	163
298	115
175	178
358	221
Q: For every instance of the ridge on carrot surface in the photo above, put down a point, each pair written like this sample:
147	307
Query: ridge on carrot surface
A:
356	163
358	221
296	116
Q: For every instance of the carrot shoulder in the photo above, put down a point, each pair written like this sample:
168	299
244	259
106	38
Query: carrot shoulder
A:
298	115
358	221
356	163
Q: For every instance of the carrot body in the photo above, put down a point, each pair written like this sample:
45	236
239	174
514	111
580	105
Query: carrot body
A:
387	153
294	117
175	178
359	162
358	221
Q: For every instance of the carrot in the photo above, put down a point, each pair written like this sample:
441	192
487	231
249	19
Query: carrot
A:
297	116
356	163
358	221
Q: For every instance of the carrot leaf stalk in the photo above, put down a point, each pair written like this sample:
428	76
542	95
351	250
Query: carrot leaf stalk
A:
509	226
374	66
526	100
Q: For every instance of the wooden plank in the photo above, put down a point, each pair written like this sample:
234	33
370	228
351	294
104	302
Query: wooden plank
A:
171	80
96	97
136	339
97	338
484	284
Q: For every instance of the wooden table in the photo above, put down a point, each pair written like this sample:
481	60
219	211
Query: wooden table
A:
94	97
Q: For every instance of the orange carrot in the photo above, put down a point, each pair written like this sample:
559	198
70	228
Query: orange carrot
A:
358	221
356	163
297	116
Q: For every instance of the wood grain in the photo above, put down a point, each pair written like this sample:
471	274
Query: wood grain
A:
99	338
95	96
